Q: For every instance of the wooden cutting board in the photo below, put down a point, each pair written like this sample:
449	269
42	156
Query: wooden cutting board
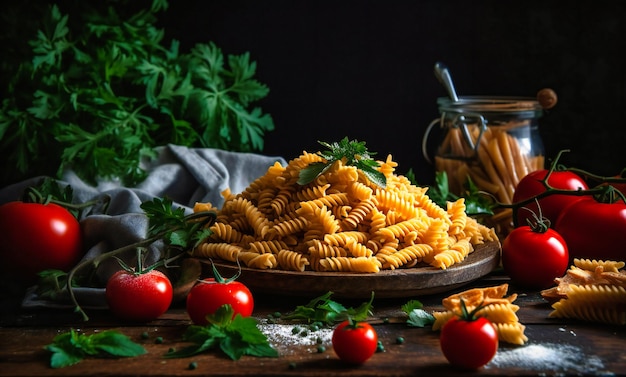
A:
408	282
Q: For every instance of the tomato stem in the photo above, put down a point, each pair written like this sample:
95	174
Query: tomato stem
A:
220	279
537	222
602	193
33	195
470	316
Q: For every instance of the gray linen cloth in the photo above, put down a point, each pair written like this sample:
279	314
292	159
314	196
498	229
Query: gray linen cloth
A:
185	175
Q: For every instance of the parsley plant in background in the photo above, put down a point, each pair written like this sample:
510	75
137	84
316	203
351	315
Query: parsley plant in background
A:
91	85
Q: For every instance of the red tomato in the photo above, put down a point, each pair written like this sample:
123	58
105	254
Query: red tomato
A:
354	342
208	295
594	230
37	237
552	205
468	344
534	259
139	297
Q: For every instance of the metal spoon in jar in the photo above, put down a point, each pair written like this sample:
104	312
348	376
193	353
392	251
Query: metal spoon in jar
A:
443	75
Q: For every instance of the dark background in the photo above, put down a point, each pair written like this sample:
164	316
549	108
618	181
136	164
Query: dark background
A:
364	69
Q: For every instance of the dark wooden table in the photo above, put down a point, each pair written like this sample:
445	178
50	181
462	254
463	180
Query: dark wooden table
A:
555	347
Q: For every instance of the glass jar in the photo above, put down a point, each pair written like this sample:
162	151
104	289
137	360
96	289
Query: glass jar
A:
494	141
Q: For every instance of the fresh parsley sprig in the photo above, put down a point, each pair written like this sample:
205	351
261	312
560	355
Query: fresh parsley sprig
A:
235	336
352	153
175	227
477	202
72	347
417	316
323	309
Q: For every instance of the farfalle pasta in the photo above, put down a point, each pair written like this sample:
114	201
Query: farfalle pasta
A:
495	306
591	290
340	221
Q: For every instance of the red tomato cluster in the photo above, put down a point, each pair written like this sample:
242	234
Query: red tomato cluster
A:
594	230
37	237
580	227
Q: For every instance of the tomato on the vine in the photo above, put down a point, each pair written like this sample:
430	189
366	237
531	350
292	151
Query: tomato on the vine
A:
468	342
594	230
354	342
37	237
209	294
551	206
534	256
140	297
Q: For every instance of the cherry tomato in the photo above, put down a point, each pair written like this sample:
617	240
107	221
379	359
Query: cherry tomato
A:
594	230
354	342
208	295
534	258
468	343
139	297
552	205
36	237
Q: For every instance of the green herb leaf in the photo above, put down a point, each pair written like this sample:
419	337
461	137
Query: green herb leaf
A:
417	316
420	318
51	284
174	226
476	202
236	337
323	309
352	153
412	305
70	348
116	344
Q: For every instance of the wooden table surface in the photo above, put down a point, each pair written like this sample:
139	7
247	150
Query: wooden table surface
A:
555	347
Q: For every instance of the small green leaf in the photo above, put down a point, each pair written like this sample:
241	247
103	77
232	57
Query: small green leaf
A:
412	305
174	226
234	336
312	171
323	309
116	344
420	318
222	316
70	348
62	358
375	176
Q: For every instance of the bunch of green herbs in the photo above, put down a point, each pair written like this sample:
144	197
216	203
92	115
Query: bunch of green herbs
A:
92	86
478	204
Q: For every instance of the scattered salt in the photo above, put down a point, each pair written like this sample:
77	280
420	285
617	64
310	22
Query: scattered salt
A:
547	357
285	337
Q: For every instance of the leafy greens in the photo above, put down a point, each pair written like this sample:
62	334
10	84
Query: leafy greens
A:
72	347
93	87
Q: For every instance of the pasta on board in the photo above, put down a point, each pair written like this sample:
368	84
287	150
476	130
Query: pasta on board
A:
340	221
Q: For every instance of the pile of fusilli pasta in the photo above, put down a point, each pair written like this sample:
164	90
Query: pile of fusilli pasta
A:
339	222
